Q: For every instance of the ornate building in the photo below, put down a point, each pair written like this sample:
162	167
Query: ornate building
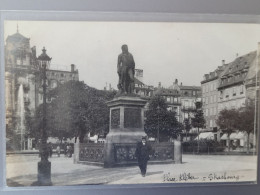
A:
23	91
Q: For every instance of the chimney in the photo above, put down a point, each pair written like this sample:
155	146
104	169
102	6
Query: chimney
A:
110	87
181	83
159	85
176	81
223	62
72	68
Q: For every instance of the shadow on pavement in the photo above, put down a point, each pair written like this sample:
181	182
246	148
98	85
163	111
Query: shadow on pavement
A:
154	173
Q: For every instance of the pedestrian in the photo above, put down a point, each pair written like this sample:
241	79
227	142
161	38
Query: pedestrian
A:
70	151
143	151
58	150
67	151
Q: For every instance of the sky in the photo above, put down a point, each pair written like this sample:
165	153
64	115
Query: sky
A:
165	51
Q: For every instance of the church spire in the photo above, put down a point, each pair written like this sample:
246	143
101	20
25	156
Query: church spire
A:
17	28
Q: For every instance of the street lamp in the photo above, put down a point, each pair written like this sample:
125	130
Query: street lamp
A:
44	166
158	130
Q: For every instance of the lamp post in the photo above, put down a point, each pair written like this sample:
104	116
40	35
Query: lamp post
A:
158	127
44	166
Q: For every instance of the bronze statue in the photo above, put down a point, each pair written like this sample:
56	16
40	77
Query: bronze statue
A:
126	71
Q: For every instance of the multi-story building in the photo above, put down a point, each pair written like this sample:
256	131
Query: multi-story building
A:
23	91
180	98
189	96
210	96
172	97
232	88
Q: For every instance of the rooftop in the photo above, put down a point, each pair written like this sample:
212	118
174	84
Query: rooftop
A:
17	37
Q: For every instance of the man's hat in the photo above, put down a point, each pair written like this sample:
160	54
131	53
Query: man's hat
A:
144	137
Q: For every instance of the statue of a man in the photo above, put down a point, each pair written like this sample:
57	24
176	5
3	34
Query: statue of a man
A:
126	71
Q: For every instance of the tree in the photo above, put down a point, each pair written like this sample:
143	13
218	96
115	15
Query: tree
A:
246	120
160	122
198	120
187	126
75	110
228	121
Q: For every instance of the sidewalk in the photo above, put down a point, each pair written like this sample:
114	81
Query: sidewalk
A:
22	171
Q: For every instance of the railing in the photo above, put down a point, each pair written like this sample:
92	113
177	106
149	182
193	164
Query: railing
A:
160	152
124	152
91	152
163	151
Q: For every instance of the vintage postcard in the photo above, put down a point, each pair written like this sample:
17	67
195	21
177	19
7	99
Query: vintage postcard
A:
130	102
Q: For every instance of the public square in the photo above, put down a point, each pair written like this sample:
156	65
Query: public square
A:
21	170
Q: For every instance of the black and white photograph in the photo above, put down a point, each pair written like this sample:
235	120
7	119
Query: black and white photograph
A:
117	102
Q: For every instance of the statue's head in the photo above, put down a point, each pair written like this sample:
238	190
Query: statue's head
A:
124	48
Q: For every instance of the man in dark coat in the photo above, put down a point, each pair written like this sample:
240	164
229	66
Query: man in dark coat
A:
143	150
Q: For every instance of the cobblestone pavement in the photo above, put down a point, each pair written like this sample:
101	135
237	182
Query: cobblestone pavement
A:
21	170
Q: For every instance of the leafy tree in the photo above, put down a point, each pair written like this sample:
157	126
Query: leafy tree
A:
246	120
160	122
75	110
228	121
198	120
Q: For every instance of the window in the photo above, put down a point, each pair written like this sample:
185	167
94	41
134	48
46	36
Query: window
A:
227	93
234	91
168	99
207	101
207	112
194	92
241	89
221	94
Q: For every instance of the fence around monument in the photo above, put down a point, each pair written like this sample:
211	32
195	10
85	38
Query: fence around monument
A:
124	153
92	153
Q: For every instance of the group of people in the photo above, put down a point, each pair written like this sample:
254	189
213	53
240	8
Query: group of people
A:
68	151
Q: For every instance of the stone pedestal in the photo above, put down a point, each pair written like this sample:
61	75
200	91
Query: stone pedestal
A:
76	152
126	124
177	152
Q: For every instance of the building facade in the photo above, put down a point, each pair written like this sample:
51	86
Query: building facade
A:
23	91
210	96
180	98
232	88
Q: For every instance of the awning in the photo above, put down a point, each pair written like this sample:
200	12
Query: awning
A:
205	135
233	136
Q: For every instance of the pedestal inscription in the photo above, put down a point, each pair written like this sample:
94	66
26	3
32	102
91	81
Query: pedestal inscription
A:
132	118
